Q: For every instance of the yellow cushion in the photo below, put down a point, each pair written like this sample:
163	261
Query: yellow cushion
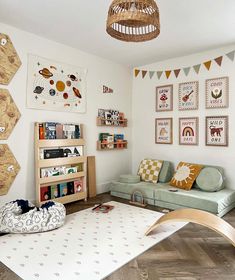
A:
185	175
149	170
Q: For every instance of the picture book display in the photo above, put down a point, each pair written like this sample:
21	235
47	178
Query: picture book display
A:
62	189
111	141
53	130
55	86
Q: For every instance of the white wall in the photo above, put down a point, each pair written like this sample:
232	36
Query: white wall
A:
143	110
108	164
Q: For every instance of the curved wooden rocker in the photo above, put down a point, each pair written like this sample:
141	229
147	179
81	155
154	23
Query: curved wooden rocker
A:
198	217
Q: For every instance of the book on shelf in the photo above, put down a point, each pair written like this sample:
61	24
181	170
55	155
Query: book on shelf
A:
45	193
57	171
55	192
63	188
53	130
70	186
78	185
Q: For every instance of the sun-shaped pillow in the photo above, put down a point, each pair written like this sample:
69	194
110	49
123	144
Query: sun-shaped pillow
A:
185	175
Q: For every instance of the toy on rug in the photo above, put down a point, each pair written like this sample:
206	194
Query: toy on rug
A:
21	216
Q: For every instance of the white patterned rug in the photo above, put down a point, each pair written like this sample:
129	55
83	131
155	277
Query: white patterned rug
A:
89	246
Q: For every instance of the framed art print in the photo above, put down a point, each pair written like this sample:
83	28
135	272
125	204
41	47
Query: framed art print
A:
163	131
55	86
164	98
188	131
217	131
188	96
217	93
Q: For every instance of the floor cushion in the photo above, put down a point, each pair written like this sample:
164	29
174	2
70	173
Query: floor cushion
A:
21	216
129	178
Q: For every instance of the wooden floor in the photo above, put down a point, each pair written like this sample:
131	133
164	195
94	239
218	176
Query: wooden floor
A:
194	252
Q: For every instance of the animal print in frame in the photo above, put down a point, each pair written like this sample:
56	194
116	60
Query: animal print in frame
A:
163	131
217	131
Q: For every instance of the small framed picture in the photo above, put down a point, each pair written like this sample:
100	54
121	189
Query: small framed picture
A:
188	96
217	91
217	131
188	131
164	98
163	131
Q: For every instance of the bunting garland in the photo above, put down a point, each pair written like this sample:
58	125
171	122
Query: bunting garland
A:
186	70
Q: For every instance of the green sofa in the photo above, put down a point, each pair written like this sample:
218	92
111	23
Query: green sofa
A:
218	203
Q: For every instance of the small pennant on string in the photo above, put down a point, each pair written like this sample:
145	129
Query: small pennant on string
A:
159	74
230	55
218	60
186	70
177	71
137	72
168	73
207	64
197	68
151	73
144	72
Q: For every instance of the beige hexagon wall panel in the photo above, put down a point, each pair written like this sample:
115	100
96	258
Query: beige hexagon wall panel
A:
9	60
9	168
9	114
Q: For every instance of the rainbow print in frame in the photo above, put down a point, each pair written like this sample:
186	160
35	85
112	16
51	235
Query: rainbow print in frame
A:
188	131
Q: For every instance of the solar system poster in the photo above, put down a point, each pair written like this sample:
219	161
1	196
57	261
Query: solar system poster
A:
55	86
188	131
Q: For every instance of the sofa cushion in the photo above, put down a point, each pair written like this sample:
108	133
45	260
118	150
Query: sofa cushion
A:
129	178
219	168
185	175
214	202
166	172
210	180
149	170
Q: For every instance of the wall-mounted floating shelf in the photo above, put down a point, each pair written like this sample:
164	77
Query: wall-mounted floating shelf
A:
120	122
107	146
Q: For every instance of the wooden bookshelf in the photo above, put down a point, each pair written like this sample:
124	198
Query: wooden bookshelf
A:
66	161
120	145
117	123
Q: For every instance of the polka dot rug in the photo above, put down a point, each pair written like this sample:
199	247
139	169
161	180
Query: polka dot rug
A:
89	246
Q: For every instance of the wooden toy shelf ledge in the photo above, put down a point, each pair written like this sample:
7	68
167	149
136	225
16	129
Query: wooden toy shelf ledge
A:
109	122
107	146
57	162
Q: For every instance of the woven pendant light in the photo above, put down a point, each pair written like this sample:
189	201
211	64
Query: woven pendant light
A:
133	20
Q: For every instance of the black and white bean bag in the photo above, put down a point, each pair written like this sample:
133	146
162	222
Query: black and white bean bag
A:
21	216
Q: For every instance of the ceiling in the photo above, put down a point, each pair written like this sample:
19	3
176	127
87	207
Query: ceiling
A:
187	26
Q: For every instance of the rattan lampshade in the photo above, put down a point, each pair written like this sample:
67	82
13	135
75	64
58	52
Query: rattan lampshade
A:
133	20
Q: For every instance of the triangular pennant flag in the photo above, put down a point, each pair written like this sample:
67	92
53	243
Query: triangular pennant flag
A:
151	73
218	60
197	68
168	73
177	71
186	70
159	74
144	72
207	64
230	55
137	72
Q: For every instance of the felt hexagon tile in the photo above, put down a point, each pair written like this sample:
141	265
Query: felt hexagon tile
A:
9	168
10	61
9	114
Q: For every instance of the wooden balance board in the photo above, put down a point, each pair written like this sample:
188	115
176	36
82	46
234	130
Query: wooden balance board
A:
198	217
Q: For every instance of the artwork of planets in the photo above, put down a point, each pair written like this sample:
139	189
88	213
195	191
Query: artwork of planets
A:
52	92
38	89
77	92
60	86
73	77
55	86
45	73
